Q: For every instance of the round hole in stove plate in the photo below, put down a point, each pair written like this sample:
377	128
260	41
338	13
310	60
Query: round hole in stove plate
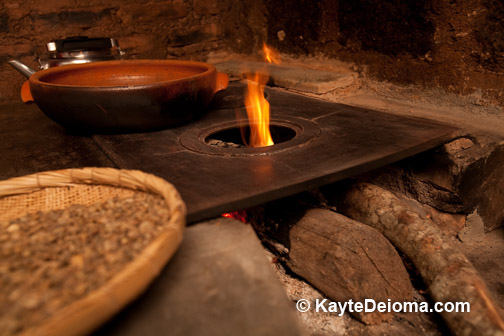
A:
237	137
229	138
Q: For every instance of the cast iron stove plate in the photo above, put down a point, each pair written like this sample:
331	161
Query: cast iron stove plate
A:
333	142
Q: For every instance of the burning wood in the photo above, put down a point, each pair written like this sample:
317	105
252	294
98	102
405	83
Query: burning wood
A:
240	215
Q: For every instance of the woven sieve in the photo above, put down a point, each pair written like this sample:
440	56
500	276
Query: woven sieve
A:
57	198
55	190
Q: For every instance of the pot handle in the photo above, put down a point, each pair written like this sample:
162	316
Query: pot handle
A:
222	82
26	95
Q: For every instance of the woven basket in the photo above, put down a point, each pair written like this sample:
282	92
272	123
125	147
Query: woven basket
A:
55	190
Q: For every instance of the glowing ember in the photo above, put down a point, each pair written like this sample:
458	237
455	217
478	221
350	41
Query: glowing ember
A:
271	55
241	215
258	110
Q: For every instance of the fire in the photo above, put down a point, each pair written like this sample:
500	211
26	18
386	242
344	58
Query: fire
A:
240	215
271	55
258	110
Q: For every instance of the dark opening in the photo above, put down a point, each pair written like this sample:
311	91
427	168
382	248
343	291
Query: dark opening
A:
233	137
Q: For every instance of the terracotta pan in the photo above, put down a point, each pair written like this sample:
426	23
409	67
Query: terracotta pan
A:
125	96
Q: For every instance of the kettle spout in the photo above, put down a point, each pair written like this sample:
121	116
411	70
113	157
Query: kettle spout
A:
22	68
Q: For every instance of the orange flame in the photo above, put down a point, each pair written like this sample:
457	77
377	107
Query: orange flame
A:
271	55
257	107
258	111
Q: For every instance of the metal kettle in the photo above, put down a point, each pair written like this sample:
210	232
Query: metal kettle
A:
73	50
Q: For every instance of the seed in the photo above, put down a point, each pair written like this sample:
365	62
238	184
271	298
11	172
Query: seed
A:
51	259
13	228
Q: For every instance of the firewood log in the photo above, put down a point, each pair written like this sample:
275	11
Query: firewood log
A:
342	258
448	274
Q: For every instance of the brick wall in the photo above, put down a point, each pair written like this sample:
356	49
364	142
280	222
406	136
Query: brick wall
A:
454	45
162	29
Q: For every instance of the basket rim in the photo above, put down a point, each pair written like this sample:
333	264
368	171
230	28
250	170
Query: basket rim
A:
86	314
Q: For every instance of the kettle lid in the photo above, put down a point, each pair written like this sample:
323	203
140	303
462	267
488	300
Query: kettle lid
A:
80	43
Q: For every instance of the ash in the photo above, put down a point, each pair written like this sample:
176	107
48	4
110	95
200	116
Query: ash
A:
220	143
